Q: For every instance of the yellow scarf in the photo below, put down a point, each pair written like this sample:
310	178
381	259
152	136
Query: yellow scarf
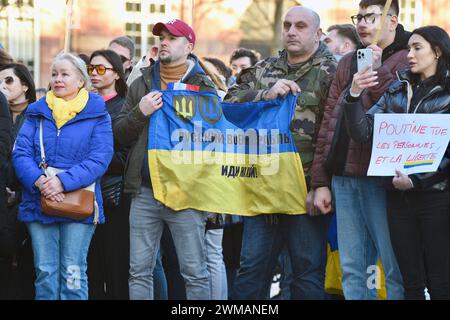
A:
63	110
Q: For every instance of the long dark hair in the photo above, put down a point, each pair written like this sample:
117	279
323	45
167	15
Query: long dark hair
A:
114	59
22	72
437	38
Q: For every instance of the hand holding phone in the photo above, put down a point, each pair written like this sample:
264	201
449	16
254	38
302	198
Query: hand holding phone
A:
365	77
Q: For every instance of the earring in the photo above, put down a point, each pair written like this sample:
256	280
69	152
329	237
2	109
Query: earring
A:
437	58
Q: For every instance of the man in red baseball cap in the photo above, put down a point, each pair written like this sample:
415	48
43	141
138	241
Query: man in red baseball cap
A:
175	63
177	28
177	41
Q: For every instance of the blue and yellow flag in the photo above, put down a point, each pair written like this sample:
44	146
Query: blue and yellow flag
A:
333	273
226	158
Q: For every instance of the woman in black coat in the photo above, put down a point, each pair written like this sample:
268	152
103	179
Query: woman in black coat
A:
5	150
7	225
108	258
18	86
418	205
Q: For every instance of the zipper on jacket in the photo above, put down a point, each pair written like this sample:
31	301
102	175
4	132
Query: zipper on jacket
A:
433	91
409	92
58	132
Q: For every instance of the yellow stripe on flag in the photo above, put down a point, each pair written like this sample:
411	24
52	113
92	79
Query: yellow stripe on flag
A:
247	192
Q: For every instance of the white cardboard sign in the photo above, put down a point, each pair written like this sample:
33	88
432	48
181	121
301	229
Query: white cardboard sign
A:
411	143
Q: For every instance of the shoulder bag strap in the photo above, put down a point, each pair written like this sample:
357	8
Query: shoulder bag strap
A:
43	163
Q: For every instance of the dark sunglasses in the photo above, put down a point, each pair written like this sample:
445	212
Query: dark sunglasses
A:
101	69
123	58
8	80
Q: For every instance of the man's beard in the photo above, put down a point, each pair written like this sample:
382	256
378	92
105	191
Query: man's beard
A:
166	59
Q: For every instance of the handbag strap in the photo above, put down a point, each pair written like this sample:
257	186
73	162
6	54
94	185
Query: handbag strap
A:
44	166
43	163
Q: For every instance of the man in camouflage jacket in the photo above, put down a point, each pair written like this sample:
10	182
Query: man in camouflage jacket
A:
304	65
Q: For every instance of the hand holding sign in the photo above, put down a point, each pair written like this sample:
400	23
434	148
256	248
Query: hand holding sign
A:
401	181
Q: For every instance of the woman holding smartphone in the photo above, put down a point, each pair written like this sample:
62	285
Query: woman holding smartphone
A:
417	204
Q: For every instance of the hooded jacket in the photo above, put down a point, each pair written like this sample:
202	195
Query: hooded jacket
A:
83	147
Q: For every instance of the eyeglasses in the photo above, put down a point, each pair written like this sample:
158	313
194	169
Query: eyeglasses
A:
8	80
368	18
123	58
101	69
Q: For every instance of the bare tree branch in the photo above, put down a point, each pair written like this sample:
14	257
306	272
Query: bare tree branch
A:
201	9
262	11
276	41
255	28
253	16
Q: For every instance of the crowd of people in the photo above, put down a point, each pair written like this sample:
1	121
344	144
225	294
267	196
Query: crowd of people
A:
92	125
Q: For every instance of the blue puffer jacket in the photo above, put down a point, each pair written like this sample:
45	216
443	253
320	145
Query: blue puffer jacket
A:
83	147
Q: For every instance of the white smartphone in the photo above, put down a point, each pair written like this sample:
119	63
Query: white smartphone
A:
364	57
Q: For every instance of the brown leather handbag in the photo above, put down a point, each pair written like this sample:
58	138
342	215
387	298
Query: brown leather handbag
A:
77	205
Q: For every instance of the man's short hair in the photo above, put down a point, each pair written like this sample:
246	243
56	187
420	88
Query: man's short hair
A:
394	6
346	31
126	42
244	52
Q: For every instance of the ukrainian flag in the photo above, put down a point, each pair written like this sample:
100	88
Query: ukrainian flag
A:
333	273
218	157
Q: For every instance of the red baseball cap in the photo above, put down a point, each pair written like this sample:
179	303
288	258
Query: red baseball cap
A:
177	28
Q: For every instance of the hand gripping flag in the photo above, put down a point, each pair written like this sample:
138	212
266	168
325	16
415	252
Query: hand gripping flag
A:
226	158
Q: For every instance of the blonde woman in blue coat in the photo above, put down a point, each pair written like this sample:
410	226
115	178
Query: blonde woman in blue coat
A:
77	138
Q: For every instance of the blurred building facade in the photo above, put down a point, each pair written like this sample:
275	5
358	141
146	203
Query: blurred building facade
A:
33	31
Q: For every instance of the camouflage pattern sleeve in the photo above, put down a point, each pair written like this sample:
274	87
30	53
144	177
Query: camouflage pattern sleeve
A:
314	80
246	89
